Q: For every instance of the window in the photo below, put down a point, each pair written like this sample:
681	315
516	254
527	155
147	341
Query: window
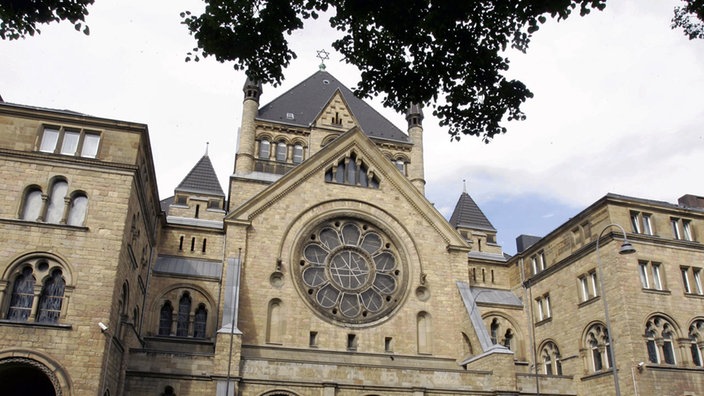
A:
187	319
682	229
692	280
501	332
659	341
550	356
67	141
400	165
55	208
543	305
588	286
264	149
642	223
27	301
184	310
281	152
650	275
352	171
538	263
598	343
696	337
297	154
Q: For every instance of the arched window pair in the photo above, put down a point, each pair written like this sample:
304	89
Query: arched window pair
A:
58	207
659	340
501	332
599	348
696	336
550	356
185	323
37	291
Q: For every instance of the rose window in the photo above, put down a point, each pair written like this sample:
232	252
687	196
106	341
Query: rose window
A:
350	272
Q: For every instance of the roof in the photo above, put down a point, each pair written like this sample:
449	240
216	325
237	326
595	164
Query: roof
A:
188	267
308	99
202	179
468	215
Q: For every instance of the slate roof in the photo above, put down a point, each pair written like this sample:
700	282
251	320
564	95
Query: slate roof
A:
307	99
188	267
201	180
468	215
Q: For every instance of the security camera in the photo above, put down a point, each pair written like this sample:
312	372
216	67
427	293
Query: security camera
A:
103	327
641	364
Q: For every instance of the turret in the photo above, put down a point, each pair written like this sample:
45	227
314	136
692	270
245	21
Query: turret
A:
244	160
416	172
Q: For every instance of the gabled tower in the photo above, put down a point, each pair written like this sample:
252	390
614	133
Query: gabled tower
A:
474	226
199	194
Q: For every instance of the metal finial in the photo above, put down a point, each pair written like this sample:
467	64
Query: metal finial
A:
323	56
464	186
206	148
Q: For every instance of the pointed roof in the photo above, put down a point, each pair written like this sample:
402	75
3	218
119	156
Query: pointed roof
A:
202	179
307	99
468	215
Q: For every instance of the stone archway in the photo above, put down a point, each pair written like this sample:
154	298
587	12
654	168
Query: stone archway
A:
21	376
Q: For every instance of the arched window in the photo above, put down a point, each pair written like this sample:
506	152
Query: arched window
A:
281	152
550	356
264	149
22	296
598	343
32	205
55	210
494	331
199	322
659	336
77	209
350	170
166	316
184	313
425	335
696	336
51	298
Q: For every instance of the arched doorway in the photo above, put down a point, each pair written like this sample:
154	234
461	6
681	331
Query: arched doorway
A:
20	377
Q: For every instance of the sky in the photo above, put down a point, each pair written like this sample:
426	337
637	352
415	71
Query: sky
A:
617	109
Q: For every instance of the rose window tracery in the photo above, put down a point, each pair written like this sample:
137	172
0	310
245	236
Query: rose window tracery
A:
350	271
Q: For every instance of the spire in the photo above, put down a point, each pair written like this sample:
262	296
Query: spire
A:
201	179
206	148
468	215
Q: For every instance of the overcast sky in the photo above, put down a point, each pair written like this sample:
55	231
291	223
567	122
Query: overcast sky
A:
618	106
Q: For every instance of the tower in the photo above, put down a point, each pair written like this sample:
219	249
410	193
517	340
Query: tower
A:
244	160
416	173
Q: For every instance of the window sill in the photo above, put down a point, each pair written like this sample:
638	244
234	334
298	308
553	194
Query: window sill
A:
57	326
588	302
598	374
657	291
694	295
542	322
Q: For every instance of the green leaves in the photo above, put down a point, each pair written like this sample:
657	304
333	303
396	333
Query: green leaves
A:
689	18
19	19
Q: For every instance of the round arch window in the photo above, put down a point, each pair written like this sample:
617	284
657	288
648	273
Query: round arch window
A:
350	271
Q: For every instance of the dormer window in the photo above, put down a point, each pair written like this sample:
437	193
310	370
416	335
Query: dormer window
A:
290	116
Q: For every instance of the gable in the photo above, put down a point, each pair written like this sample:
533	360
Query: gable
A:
351	152
336	114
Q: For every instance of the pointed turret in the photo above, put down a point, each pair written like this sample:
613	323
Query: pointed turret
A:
199	193
473	225
244	160
416	172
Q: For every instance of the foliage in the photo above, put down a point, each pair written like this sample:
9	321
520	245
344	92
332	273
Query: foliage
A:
694	29
19	18
449	54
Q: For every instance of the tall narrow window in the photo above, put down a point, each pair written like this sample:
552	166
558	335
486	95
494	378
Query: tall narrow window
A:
698	281
90	145
494	331
297	154
205	241
22	296
166	318
77	210
696	336
55	211
281	152
647	226
199	322
184	313
687	230
685	280
676	228
264	147
32	206
50	138
51	298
